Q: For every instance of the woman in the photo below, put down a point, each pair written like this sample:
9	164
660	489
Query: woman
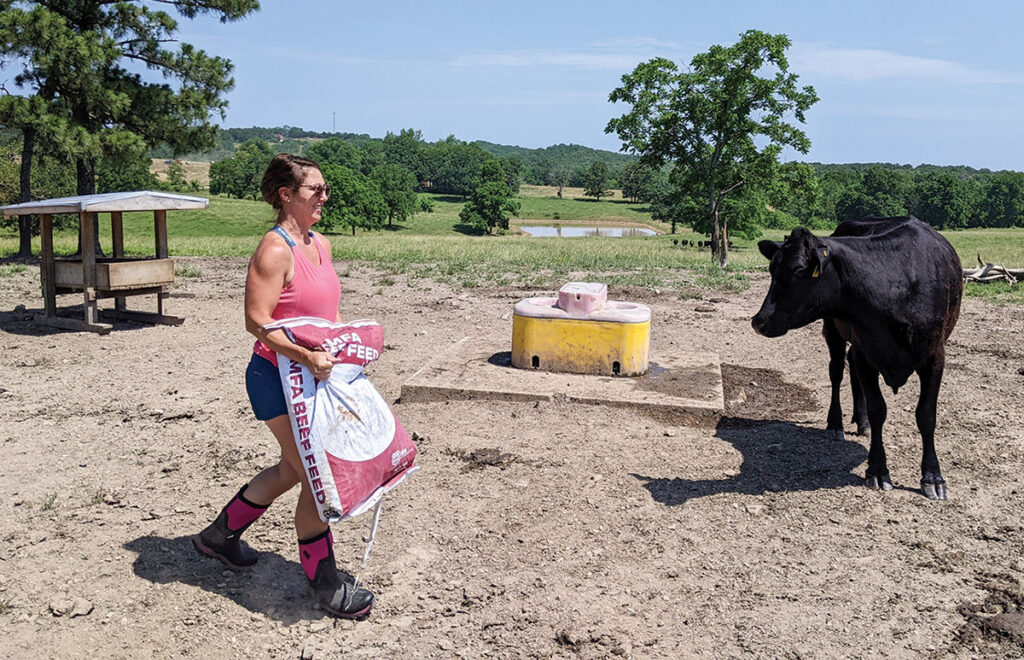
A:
290	274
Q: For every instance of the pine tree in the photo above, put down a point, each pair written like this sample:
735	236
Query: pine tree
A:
85	104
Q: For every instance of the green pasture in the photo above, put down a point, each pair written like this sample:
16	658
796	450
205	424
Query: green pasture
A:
438	246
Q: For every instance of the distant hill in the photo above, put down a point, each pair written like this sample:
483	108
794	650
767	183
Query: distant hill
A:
574	157
291	139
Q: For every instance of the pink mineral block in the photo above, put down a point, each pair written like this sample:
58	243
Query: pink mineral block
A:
582	298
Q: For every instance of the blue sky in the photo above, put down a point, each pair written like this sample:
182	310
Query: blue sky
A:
906	82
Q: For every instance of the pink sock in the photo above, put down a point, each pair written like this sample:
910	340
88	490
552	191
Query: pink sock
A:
312	551
241	512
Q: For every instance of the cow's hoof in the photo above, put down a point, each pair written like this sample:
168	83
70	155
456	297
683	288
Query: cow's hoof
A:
878	483
934	491
835	434
863	430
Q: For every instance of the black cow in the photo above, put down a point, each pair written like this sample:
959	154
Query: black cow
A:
891	287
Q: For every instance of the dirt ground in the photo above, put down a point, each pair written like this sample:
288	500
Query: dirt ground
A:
547	530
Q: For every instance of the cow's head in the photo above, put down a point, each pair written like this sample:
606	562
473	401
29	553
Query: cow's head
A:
801	283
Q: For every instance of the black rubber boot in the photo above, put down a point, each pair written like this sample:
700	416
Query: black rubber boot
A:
335	595
222	542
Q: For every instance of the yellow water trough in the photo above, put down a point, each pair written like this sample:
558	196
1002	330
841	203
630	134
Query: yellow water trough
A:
581	332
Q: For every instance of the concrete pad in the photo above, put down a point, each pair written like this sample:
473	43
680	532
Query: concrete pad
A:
685	388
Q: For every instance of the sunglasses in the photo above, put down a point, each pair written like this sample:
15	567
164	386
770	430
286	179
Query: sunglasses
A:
319	189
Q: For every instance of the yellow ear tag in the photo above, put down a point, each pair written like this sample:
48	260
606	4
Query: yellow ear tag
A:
815	273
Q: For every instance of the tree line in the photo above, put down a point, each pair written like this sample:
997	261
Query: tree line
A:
825	195
375	184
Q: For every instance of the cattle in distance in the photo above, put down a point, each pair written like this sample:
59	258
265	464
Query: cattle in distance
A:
891	288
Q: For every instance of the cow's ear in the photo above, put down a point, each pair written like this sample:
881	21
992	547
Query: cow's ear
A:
822	255
769	248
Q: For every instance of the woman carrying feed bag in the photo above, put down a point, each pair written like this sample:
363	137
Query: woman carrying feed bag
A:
290	275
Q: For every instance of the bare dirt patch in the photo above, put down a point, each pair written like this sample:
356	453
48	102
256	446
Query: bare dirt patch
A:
532	530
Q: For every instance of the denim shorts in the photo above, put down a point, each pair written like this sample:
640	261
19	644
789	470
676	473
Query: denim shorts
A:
263	383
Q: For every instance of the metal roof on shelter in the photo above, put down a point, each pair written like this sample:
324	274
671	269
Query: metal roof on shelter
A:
139	200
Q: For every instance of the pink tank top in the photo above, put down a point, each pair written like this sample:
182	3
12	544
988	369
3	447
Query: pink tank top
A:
313	291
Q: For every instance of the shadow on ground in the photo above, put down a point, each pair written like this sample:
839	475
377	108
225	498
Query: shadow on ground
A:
467	229
274	587
21	321
777	457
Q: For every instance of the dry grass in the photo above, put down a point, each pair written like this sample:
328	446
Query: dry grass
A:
194	170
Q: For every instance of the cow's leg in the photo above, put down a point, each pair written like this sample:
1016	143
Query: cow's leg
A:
860	406
932	484
877	476
836	365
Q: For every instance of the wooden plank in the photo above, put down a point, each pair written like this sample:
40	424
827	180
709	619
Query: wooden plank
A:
146	291
46	265
73	324
114	275
142	317
160	227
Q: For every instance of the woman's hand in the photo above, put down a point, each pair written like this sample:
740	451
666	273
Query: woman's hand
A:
319	364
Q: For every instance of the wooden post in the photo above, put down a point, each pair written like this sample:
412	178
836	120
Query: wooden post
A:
88	231
160	225
117	236
117	233
47	269
160	228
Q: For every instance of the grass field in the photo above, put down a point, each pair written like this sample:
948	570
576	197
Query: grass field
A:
437	245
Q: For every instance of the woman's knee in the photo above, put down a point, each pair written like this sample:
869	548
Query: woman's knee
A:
287	472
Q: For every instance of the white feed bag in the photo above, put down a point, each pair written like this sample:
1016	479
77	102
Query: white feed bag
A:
352	447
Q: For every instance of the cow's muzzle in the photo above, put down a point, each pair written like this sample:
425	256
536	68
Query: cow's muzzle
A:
763	327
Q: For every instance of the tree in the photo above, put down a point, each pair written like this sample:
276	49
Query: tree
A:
50	177
559	177
835	186
406	149
398	189
240	175
176	179
79	61
492	201
453	166
355	201
595	182
715	120
125	174
795	194
1003	202
513	173
639	181
944	200
882	192
335	151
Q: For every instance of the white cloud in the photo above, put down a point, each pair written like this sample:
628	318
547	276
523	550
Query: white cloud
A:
862	64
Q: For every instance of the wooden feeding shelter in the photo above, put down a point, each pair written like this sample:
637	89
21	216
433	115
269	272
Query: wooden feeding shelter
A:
115	277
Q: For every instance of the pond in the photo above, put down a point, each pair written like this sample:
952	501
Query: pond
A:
569	231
